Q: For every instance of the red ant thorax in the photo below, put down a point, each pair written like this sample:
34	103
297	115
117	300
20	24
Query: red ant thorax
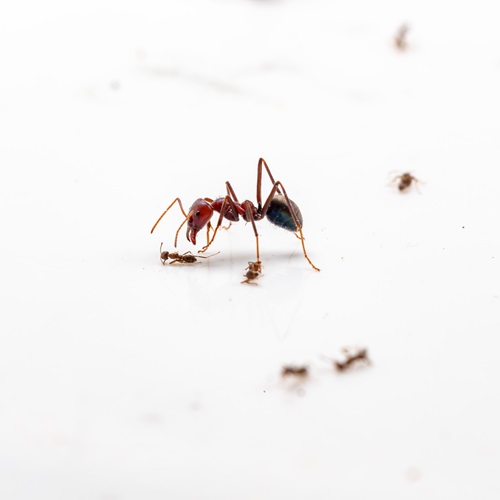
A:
228	213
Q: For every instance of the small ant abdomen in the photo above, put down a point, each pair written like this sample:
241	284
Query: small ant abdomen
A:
279	214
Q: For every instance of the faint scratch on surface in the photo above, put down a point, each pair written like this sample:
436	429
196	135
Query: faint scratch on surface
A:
208	82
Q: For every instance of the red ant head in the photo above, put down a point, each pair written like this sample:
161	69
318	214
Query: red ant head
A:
199	214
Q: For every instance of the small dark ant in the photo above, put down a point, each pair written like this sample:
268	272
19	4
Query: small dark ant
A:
278	208
295	371
352	358
252	272
400	39
405	181
185	258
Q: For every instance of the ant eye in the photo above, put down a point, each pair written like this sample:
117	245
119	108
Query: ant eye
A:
197	213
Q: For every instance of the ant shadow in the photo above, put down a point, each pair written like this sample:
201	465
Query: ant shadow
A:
232	258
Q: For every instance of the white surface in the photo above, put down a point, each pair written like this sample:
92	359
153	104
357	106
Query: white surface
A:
124	379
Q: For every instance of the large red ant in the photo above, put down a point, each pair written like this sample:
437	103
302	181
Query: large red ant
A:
278	208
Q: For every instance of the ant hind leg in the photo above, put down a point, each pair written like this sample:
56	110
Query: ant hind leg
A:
300	236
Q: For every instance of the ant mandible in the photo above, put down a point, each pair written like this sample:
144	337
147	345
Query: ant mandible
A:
278	208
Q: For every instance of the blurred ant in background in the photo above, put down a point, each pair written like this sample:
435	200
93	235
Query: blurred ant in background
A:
294	371
351	358
405	181
400	39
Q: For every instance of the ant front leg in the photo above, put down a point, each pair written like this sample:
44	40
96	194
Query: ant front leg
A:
209	227
227	205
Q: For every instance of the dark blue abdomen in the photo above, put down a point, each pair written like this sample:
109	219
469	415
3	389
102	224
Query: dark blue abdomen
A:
279	214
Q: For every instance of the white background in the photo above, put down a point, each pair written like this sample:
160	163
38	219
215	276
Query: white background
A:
124	379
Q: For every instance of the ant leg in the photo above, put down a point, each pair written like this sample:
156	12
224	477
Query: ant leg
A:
259	180
231	193
295	219
206	256
169	207
233	199
209	226
178	200
226	204
249	216
177	232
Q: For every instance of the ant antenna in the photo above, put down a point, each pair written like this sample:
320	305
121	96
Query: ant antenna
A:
183	222
169	207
